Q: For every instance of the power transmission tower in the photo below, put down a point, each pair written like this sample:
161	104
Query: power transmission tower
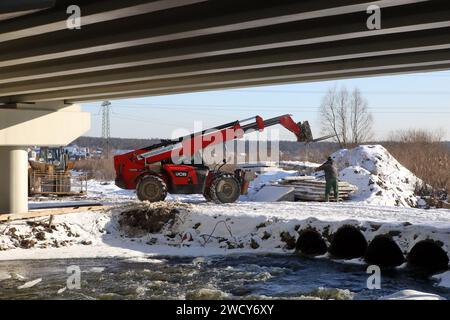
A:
106	126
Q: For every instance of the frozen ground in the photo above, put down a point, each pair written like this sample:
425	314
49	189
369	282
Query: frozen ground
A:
97	234
202	228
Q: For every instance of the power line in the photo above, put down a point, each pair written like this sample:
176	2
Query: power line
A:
190	108
324	92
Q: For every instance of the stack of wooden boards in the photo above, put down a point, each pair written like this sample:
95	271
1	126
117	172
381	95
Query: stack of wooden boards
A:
308	188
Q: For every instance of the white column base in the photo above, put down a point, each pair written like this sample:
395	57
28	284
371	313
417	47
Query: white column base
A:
22	125
13	180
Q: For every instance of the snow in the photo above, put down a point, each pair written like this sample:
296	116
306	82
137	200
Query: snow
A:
30	284
252	224
4	275
97	234
273	193
380	178
412	295
299	164
265	179
203	228
443	278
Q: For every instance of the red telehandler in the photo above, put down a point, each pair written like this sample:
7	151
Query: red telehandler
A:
153	173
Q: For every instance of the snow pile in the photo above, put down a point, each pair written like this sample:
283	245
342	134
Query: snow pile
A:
380	178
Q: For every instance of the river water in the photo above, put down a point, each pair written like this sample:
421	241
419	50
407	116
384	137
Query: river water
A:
234	276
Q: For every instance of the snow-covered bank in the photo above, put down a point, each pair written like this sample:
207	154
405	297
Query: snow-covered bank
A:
204	229
380	207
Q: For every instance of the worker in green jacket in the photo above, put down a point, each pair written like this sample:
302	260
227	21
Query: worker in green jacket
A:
331	178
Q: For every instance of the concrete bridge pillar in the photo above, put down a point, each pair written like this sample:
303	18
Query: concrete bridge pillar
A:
13	179
32	124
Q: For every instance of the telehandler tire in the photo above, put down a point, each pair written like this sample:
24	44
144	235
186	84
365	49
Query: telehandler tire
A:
207	195
225	188
152	189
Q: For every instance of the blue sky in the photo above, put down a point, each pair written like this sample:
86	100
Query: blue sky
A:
405	101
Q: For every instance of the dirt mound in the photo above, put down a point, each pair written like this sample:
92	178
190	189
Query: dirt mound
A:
148	218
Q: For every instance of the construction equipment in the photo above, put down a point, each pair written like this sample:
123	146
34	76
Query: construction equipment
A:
50	174
153	173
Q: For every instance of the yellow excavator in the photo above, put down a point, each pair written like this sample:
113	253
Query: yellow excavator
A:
50	174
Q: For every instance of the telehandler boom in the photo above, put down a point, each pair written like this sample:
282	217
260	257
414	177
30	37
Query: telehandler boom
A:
153	172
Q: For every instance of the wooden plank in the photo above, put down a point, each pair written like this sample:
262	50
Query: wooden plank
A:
315	183
318	194
49	212
317	191
318	199
313	189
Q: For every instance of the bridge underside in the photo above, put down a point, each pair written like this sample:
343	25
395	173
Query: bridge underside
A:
141	47
131	48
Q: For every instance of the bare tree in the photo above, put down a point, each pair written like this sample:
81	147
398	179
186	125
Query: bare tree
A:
343	114
346	115
361	121
329	114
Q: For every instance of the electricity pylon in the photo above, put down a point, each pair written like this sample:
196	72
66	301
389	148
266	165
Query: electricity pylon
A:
106	126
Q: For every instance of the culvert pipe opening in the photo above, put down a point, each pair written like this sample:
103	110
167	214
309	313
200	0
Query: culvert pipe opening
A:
311	242
429	256
348	243
383	251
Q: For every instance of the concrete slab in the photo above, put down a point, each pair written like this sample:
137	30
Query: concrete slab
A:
275	193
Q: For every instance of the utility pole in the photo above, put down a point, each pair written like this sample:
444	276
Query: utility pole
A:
106	127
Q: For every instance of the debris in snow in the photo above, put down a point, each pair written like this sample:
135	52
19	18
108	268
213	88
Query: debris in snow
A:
254	244
148	217
287	238
30	284
412	295
27	243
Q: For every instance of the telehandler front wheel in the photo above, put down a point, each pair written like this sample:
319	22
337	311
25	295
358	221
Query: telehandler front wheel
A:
152	189
225	188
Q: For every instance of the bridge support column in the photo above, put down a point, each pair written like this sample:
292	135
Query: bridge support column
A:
13	179
26	125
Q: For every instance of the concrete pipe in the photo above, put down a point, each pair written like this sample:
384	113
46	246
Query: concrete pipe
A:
348	243
311	243
383	251
429	256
